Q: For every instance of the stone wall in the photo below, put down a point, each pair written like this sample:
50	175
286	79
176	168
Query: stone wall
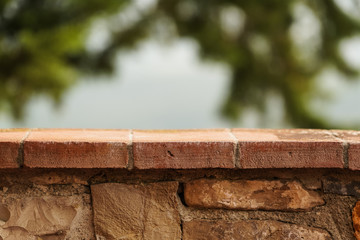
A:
198	184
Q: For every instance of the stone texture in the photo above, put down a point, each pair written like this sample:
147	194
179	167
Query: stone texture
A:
48	217
10	142
342	187
4	213
356	220
311	182
250	229
123	211
61	148
296	148
250	195
183	149
56	177
16	233
352	138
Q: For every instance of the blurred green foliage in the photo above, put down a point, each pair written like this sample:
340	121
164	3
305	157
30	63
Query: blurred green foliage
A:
270	46
43	47
268	54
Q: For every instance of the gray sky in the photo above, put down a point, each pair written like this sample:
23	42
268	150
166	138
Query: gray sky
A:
155	87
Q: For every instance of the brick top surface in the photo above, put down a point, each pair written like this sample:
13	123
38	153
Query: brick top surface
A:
78	135
204	135
13	135
284	135
179	149
348	136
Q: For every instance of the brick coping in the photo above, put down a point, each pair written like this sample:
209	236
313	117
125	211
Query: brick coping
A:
179	149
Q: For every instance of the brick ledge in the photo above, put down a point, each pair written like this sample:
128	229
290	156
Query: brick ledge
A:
179	149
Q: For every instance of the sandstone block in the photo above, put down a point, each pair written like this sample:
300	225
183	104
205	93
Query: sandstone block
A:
249	230
250	195
4	213
123	211
16	233
48	217
356	220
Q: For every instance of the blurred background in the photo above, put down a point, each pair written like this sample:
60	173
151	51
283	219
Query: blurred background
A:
158	64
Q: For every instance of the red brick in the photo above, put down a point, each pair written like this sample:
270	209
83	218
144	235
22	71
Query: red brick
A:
10	142
353	140
183	149
296	148
62	148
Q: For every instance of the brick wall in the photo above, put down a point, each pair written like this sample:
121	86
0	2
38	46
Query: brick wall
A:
189	184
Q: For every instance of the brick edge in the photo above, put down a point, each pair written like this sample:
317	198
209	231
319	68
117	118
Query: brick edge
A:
294	148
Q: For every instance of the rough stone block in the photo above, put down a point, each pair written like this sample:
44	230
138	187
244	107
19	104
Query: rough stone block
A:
342	187
250	195
123	211
48	217
249	230
356	220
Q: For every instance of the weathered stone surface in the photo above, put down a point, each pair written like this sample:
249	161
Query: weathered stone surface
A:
311	182
342	187
250	229
4	213
123	211
356	220
15	233
54	177
250	195
48	217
